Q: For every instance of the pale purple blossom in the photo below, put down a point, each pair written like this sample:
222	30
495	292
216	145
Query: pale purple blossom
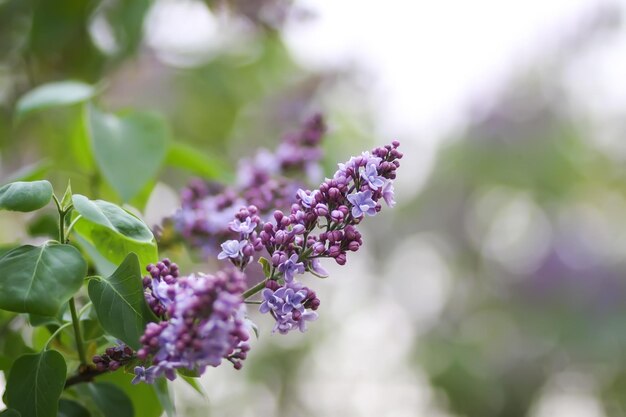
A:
388	194
362	203
231	249
245	228
307	199
291	306
291	267
318	269
370	174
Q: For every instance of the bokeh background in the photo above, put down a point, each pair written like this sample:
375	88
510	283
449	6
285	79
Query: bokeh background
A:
496	286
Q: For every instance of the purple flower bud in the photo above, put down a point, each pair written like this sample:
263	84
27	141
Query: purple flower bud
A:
321	210
341	259
353	246
336	216
298	229
318	248
281	237
334	251
278	258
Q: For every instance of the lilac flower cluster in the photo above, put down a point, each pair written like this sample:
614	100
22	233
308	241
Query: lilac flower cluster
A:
267	181
202	322
291	305
321	224
113	358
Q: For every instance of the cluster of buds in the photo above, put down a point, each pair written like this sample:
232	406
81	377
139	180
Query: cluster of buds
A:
113	358
159	285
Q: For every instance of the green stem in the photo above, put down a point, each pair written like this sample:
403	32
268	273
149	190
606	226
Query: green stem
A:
75	322
69	228
253	290
77	335
55	334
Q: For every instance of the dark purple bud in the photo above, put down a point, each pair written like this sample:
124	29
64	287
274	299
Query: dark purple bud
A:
281	237
336	216
272	285
321	210
318	248
334	251
341	259
248	250
298	229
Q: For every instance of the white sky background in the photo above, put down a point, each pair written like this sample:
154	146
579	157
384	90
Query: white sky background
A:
429	58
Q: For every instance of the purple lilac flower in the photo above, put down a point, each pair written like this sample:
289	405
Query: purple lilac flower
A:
203	324
291	305
231	249
144	375
370	174
307	200
388	194
245	228
317	268
291	267
362	203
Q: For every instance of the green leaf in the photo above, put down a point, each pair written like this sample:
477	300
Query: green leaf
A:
191	159
194	384
120	303
142	396
162	391
25	196
111	400
35	384
39	279
10	412
128	149
55	94
69	408
112	232
266	266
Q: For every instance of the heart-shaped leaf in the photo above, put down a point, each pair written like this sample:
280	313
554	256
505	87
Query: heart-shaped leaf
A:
120	303
63	93
112	232
128	149
39	279
25	196
35	384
